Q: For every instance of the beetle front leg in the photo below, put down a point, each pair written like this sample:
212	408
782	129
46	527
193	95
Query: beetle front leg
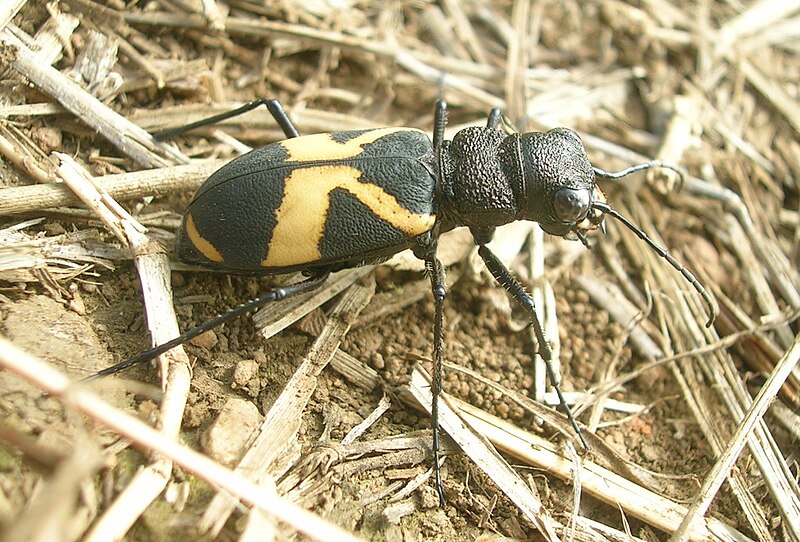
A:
517	291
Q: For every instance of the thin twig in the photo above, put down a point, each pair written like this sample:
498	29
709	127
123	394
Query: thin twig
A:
121	186
282	422
721	469
126	136
148	439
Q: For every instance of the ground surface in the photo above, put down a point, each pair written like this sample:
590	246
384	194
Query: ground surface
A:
85	318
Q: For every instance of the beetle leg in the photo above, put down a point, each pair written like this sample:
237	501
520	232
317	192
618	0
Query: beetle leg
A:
311	283
493	120
274	106
439	123
436	272
282	118
517	291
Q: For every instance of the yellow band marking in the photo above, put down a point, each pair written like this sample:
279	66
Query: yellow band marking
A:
301	217
203	245
319	147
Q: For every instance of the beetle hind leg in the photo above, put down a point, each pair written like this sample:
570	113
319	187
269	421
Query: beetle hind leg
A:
273	106
281	117
311	283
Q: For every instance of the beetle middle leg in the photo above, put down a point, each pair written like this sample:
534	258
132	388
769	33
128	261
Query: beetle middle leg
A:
273	106
517	291
439	289
426	251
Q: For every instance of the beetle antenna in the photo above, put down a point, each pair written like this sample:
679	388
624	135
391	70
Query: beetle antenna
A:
606	209
639	167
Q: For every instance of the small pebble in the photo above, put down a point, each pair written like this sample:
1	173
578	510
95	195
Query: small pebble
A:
227	437
48	138
177	279
244	371
649	452
76	304
88	287
207	340
502	410
260	357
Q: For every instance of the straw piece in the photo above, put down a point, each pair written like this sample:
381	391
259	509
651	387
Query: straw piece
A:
596	481
724	464
8	10
122	186
282	422
126	136
147	438
484	456
153	268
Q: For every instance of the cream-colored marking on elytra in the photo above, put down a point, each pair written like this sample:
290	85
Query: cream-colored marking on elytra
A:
300	220
316	147
203	245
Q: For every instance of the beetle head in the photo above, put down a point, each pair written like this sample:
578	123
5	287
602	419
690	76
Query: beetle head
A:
555	186
557	182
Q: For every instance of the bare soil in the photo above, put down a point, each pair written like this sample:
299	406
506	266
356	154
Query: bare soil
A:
83	321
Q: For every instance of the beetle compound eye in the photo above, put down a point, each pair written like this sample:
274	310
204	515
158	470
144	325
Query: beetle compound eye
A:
571	205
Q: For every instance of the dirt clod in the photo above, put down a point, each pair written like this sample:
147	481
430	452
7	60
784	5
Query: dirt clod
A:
225	440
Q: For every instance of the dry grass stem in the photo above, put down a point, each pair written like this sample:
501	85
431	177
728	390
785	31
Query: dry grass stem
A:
682	323
596	481
16	153
121	186
153	268
149	439
129	138
8	10
724	464
673	412
279	315
282	423
484	456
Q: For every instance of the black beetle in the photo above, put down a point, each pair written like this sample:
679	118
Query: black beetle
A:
330	201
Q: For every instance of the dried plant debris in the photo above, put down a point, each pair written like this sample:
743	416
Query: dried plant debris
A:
683	440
